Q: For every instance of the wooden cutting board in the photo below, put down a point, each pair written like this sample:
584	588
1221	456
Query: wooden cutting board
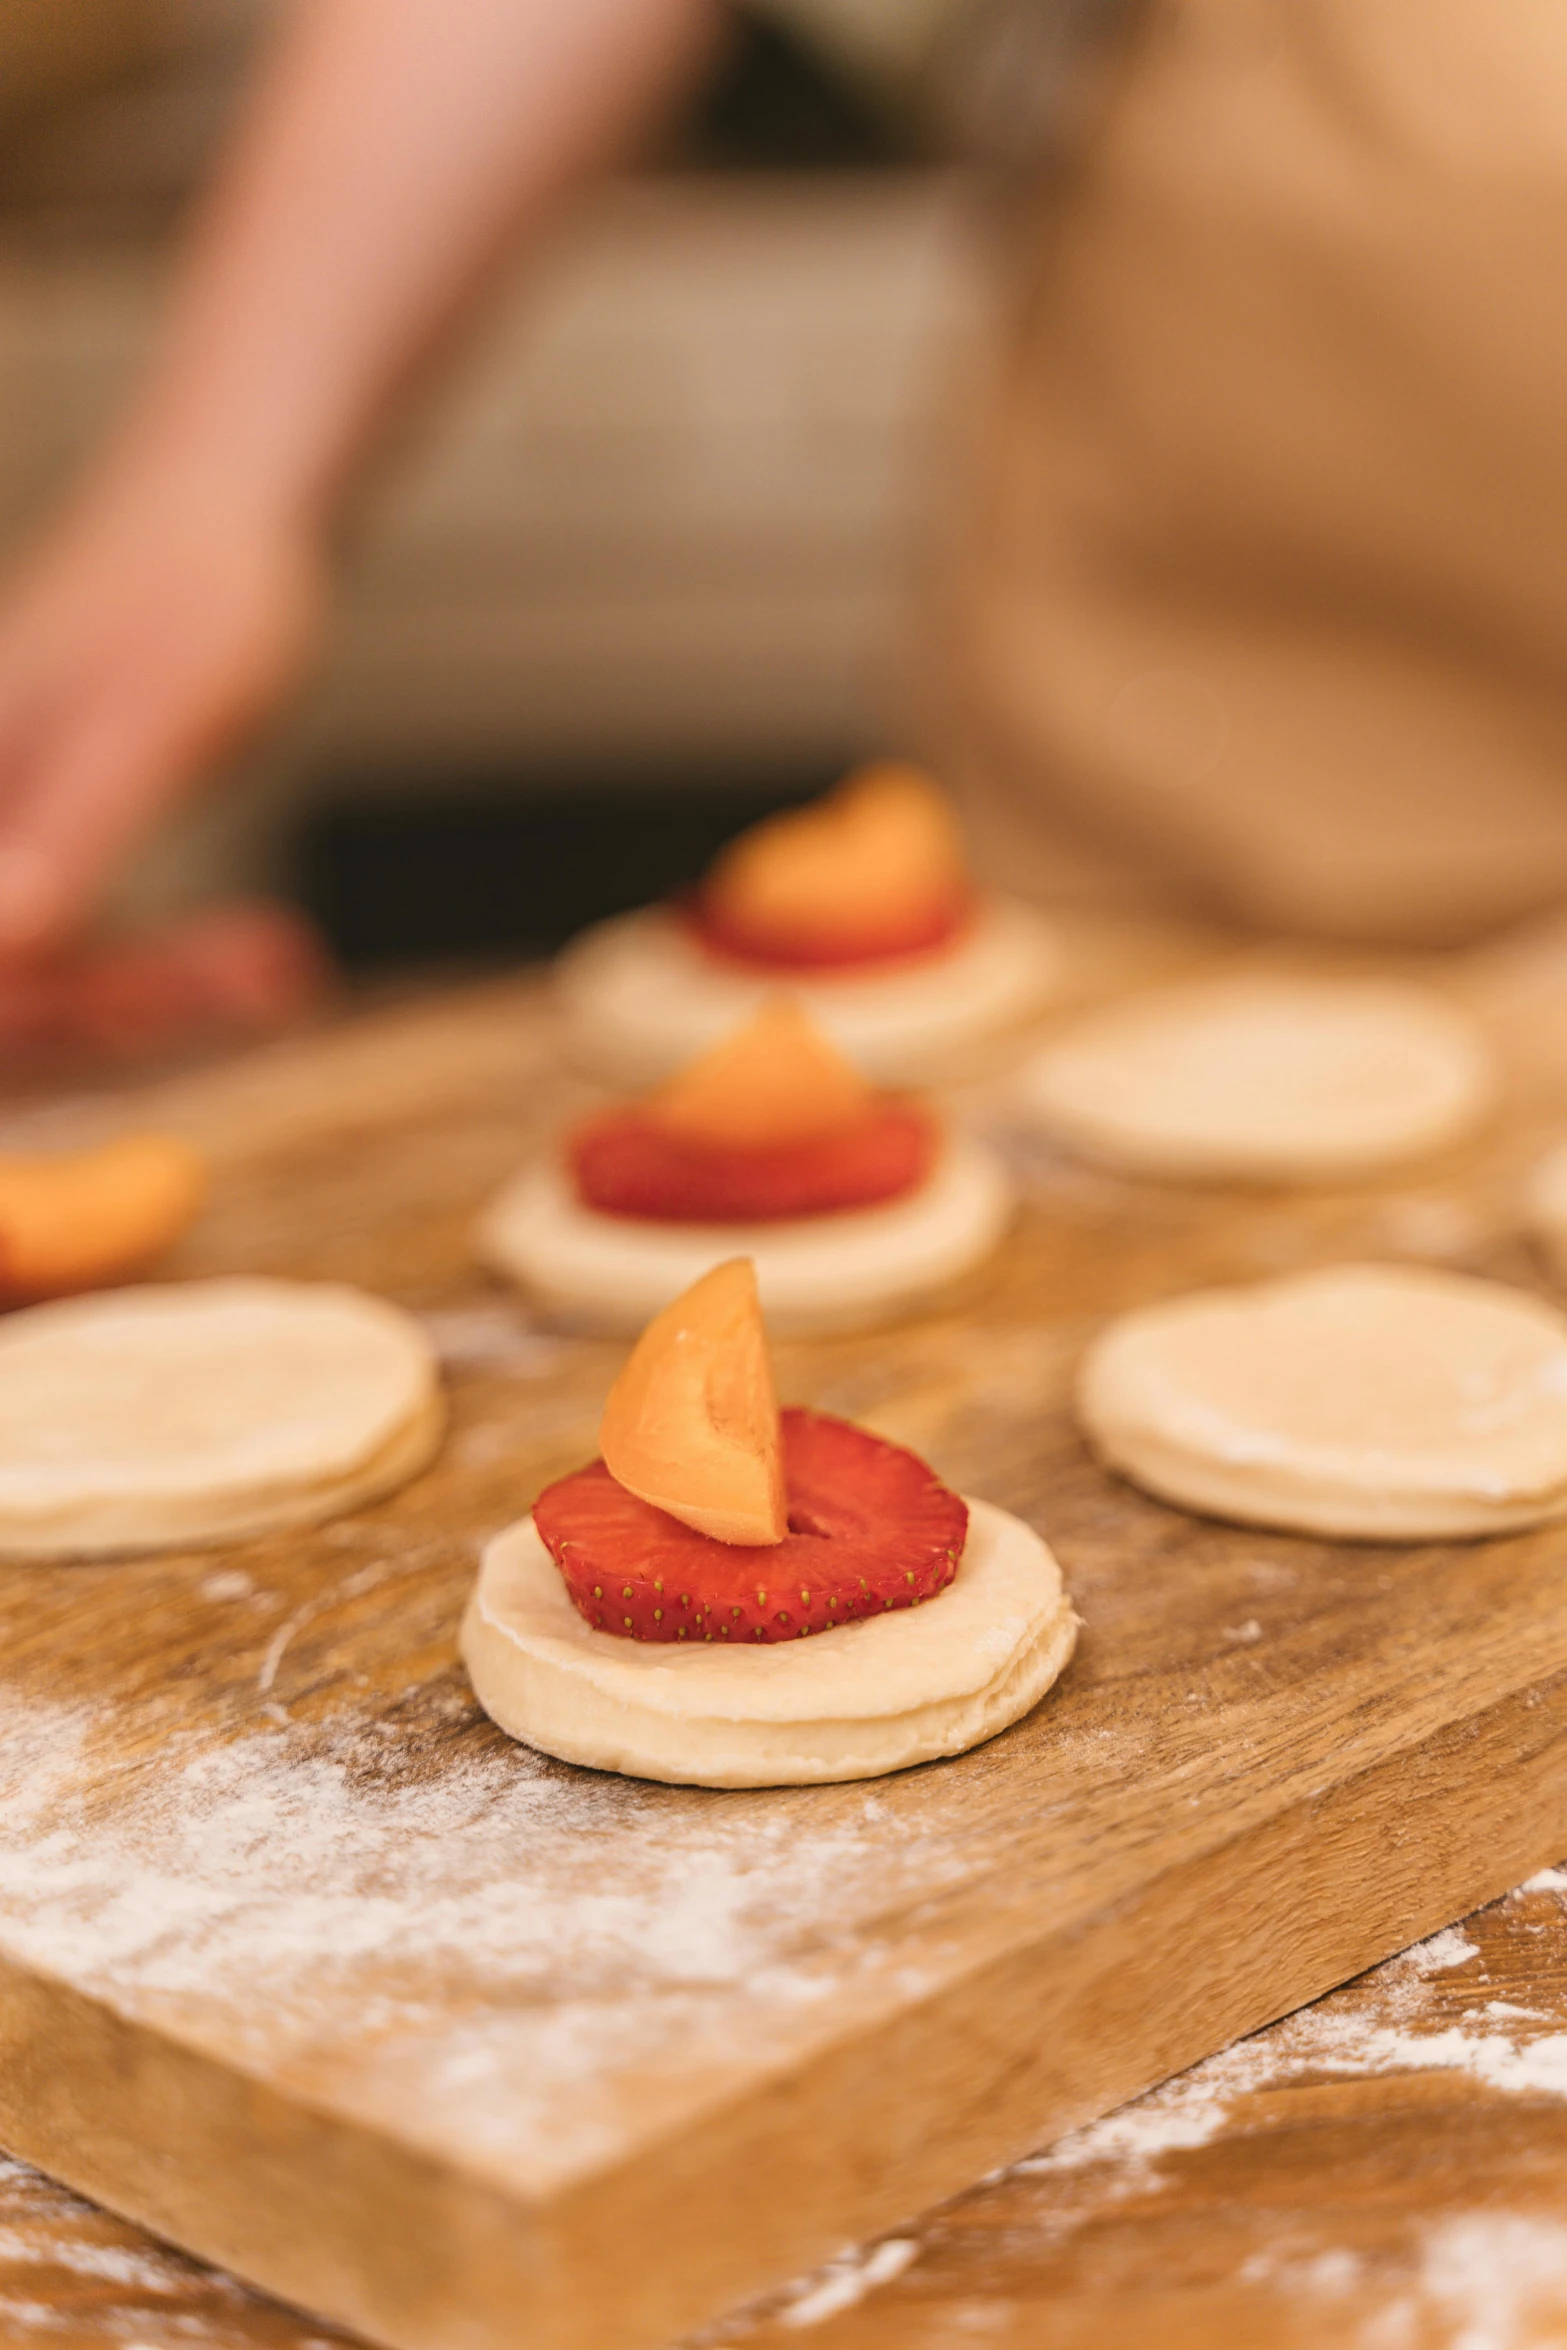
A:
305	1966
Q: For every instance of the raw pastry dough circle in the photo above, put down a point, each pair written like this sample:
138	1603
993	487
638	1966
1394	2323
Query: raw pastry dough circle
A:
851	1704
183	1414
1378	1401
1264	1078
642	998
610	1273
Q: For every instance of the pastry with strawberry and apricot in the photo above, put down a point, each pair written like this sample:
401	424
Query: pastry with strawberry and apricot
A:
862	903
856	1205
738	1596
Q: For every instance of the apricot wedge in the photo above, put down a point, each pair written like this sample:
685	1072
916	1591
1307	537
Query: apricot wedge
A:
75	1219
691	1424
876	868
776	1080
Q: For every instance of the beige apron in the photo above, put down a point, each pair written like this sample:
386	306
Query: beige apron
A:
1264	604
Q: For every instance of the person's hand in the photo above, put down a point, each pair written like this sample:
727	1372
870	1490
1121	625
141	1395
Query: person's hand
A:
151	627
219	977
388	156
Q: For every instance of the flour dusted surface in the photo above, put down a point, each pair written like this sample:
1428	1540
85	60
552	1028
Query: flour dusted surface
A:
481	1951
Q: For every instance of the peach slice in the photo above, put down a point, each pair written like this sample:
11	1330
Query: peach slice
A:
876	868
777	1079
74	1219
691	1424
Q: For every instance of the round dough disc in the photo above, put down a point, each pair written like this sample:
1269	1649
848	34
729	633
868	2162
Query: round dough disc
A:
815	1273
1377	1401
642	997
851	1704
173	1416
1264	1079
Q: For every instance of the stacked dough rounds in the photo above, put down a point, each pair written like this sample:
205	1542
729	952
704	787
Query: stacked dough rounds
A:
847	1704
1264	1079
861	905
733	1597
167	1418
1385	1402
608	1267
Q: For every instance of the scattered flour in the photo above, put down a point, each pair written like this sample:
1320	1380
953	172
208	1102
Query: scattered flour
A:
1545	1881
1479	2281
1332	2273
1440	1953
226	1584
472	1951
493	1338
839	2284
123	2288
1492	2280
1377	2031
302	1867
1482	2282
846	2281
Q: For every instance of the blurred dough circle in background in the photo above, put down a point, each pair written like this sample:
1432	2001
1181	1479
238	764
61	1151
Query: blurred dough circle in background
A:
1260	1078
1388	1403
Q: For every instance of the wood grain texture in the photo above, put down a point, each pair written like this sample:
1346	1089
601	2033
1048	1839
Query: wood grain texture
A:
1336	2177
306	1967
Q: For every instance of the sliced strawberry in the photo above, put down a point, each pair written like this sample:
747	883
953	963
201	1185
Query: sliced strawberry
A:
625	1164
830	946
870	1528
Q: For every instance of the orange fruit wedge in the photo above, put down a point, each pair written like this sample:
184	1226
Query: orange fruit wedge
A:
75	1219
776	1080
877	868
691	1424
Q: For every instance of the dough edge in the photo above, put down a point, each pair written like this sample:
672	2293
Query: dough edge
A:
143	1528
543	1708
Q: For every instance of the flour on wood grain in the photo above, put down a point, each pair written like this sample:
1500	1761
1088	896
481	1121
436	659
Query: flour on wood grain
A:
493	1338
1380	2027
1489	2279
839	2284
496	1936
1481	2280
72	2274
286	1855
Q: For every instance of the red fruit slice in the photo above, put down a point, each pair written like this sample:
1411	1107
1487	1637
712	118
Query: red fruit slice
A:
894	939
870	1528
625	1164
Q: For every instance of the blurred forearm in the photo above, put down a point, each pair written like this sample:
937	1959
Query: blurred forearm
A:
391	149
393	146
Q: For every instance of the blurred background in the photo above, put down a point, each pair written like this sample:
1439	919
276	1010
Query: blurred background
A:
639	566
